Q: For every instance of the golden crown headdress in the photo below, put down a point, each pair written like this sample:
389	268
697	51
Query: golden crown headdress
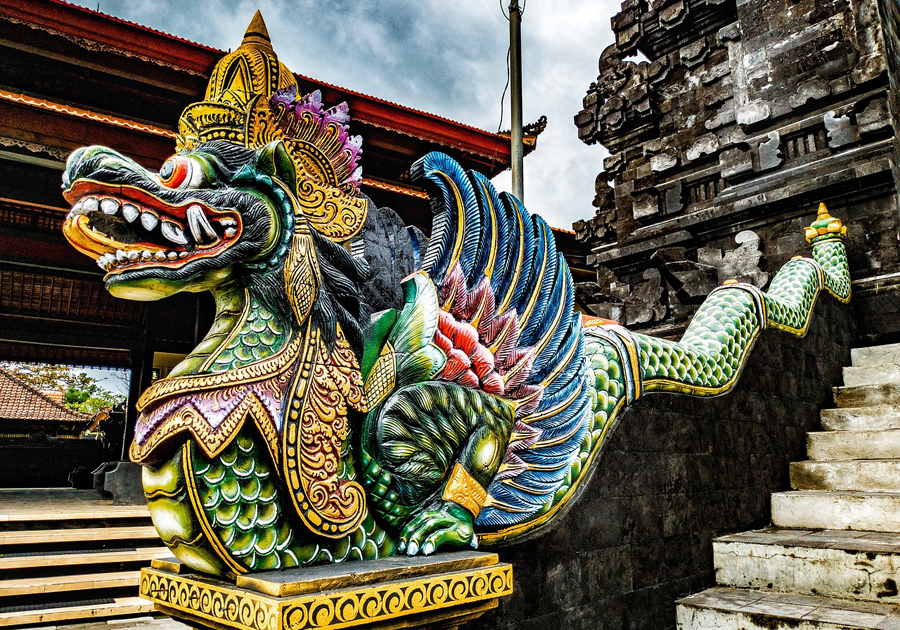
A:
252	100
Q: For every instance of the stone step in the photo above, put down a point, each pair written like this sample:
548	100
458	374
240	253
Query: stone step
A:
723	608
87	534
820	509
859	475
29	561
867	395
828	563
872	374
68	583
875	355
118	607
835	445
877	418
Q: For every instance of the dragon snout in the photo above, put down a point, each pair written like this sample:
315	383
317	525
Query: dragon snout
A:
87	161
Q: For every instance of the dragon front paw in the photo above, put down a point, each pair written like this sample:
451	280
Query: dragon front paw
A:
442	524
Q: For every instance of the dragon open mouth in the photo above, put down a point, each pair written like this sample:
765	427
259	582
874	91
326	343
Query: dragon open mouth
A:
126	228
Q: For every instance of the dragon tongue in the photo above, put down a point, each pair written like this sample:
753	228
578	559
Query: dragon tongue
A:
200	228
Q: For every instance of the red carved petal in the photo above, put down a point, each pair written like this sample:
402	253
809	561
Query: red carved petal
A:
492	384
468	379
457	363
465	337
483	361
442	341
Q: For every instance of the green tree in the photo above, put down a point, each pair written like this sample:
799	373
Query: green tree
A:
82	392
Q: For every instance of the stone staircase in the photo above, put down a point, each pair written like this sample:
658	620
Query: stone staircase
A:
72	562
831	559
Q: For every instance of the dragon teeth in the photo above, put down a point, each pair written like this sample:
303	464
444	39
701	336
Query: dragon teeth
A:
130	212
149	220
160	255
173	256
121	256
227	222
199	225
173	232
109	205
146	255
133	255
89	204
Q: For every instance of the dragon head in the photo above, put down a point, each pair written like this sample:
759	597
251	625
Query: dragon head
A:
262	183
210	214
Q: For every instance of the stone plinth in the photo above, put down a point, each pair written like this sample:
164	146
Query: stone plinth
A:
443	590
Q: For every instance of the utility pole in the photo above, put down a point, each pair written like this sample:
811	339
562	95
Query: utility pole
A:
517	149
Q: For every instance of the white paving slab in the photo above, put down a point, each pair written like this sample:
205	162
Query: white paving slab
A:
841	564
872	374
822	445
860	475
819	509
876	418
873	355
722	608
867	395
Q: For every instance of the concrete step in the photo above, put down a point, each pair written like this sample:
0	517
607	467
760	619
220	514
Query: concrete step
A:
872	374
68	583
877	418
723	608
29	561
821	445
828	563
859	475
875	355
867	395
87	534
820	509
118	607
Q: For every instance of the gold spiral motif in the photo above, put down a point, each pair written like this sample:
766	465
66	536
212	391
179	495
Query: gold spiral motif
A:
243	609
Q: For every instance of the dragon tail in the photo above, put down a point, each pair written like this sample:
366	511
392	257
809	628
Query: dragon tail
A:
706	362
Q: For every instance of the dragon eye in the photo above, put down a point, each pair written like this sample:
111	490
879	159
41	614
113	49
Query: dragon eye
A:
180	171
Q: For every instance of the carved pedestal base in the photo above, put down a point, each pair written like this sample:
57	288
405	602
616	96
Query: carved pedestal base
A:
441	591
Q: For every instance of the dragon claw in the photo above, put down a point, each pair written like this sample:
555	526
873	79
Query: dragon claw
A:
443	525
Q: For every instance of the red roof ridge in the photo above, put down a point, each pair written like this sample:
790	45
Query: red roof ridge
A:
84	417
138	25
394	104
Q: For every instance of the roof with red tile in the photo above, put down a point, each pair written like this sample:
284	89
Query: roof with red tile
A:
21	401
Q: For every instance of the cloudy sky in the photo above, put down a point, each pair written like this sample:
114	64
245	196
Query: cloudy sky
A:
448	58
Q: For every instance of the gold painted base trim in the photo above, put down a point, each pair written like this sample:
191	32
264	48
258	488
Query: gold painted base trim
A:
416	600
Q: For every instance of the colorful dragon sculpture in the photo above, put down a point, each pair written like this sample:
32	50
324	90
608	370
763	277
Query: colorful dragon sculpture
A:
305	428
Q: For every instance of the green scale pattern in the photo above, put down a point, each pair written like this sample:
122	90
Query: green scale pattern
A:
261	336
245	507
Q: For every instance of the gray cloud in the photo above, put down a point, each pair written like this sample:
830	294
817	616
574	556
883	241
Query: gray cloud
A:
448	58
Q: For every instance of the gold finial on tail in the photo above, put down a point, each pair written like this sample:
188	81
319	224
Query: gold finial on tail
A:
825	225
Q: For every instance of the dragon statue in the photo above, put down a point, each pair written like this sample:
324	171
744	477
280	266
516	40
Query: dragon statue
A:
306	428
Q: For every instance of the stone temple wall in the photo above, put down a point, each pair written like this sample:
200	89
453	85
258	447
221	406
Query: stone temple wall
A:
745	115
890	19
676	473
